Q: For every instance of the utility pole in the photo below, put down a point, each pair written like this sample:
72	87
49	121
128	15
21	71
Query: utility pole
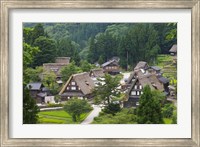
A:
127	60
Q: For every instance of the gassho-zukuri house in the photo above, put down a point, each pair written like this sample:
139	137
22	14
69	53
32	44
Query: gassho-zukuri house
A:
96	73
78	85
141	76
56	67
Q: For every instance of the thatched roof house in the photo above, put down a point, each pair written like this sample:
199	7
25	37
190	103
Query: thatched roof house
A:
141	65
135	90
134	74
56	67
78	85
96	73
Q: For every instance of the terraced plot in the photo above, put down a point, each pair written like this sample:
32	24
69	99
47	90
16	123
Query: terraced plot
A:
169	69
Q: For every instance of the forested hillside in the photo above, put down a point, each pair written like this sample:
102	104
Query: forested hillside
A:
98	42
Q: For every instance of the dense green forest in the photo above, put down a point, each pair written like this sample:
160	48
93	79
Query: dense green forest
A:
98	42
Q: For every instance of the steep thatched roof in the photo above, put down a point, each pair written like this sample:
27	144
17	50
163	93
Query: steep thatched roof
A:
97	72
140	65
173	49
84	82
53	67
134	74
148	79
152	81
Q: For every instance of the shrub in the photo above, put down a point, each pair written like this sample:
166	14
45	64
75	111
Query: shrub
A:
54	105
112	109
167	110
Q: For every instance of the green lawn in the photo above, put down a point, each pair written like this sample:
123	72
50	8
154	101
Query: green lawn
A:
58	117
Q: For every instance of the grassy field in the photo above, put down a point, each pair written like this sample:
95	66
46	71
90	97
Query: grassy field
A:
58	117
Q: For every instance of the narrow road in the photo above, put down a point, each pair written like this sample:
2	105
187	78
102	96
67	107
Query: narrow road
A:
92	115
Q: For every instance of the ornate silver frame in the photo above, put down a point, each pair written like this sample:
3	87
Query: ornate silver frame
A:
6	5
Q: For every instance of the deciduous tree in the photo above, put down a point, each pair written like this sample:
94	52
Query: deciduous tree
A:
106	89
69	70
75	107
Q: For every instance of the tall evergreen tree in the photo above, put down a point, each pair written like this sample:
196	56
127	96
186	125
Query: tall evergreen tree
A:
38	31
149	110
47	51
30	109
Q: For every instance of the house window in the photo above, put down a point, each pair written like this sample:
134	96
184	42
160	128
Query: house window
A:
138	93
140	86
135	87
73	88
133	92
67	88
73	83
137	103
141	92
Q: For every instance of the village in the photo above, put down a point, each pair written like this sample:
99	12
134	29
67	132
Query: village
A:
81	85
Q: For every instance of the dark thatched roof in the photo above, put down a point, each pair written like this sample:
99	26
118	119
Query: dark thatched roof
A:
83	80
173	49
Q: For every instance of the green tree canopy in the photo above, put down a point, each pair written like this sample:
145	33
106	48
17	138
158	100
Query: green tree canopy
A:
34	75
149	110
49	81
75	107
47	51
30	109
85	66
69	70
106	89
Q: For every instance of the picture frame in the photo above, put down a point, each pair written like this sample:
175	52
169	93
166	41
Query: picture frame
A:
89	4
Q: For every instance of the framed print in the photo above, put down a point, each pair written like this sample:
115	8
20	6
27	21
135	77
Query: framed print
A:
97	73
